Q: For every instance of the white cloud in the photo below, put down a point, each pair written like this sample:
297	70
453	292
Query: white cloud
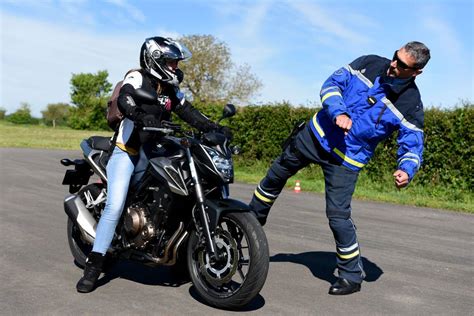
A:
41	58
243	32
132	11
60	11
449	73
167	33
328	22
444	36
253	19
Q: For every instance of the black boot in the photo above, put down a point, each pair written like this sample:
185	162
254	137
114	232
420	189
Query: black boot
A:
344	287
92	271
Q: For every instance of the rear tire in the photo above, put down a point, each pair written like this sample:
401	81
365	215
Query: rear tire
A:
237	279
80	248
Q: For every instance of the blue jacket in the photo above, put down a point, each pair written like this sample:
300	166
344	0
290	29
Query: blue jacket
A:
377	108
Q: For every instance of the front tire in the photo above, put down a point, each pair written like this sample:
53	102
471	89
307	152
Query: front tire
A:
239	276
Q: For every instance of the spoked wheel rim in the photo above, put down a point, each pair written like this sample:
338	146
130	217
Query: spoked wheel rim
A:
224	277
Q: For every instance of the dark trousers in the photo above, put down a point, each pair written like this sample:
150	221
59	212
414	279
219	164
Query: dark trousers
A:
339	186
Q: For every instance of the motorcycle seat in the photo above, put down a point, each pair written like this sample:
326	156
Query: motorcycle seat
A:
99	142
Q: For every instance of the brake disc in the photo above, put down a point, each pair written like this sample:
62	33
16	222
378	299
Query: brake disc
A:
220	272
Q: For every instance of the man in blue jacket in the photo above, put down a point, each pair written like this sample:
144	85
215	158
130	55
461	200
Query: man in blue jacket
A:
363	103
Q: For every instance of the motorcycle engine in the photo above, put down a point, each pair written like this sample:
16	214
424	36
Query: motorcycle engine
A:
139	226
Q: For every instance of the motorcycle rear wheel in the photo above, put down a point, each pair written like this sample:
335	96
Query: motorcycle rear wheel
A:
80	249
235	280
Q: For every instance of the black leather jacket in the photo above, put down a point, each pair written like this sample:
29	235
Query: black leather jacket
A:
170	99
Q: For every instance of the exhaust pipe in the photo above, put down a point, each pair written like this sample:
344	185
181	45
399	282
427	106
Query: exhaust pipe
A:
166	260
78	213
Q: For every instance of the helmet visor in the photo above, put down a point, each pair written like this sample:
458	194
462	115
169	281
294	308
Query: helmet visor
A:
182	53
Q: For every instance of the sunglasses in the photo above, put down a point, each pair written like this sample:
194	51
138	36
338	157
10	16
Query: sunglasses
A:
400	63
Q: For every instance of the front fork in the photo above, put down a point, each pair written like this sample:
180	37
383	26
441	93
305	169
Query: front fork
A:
201	209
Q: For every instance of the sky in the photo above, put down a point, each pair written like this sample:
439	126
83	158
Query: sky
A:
291	46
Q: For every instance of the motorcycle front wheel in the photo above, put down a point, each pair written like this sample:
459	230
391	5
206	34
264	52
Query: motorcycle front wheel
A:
239	274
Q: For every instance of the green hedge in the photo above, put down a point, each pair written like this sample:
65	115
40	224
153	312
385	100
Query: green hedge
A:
449	145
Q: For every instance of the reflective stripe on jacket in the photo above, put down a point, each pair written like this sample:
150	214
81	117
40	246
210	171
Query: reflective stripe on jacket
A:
377	109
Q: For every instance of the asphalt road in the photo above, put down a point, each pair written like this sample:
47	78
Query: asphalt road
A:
418	261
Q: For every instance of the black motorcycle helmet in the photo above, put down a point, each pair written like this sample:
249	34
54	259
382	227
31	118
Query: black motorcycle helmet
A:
156	52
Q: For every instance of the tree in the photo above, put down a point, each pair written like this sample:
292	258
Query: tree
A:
210	75
56	114
22	115
89	94
2	113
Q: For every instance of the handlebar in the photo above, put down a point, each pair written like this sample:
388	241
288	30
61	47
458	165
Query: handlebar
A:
167	128
171	128
158	129
189	137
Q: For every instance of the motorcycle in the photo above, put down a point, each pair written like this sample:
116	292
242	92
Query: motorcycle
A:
178	213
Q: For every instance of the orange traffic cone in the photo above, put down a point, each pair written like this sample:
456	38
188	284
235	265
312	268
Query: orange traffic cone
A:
297	187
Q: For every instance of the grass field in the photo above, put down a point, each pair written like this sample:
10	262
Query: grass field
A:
37	136
311	178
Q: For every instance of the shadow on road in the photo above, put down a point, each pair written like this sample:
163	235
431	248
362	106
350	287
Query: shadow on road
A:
257	303
322	264
160	276
136	272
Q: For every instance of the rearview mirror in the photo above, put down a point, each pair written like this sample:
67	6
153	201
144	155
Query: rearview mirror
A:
229	110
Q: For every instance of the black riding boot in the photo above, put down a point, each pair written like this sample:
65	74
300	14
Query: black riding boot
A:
92	271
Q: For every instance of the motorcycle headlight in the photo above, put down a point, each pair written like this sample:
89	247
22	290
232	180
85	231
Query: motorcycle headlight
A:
223	165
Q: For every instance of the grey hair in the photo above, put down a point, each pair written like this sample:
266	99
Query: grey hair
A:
419	51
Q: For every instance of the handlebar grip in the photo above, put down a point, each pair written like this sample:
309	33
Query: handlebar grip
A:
168	124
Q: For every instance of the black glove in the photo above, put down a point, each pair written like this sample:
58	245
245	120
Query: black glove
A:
149	120
226	131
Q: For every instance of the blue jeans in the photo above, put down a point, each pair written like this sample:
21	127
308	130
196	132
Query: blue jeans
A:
119	171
